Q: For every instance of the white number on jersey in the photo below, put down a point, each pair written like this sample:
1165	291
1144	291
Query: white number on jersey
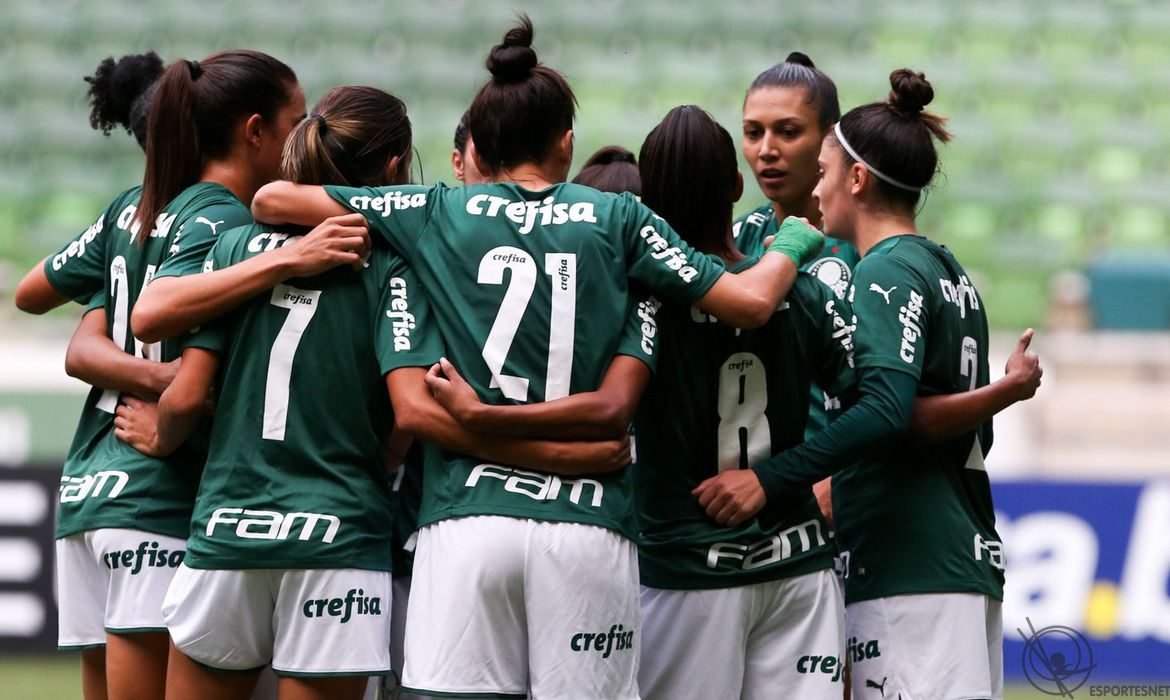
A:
562	271
969	361
301	305
744	434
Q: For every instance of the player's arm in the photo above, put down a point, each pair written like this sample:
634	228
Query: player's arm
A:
604	414
170	305
96	360
416	412
667	265
284	202
881	416
35	294
942	417
158	429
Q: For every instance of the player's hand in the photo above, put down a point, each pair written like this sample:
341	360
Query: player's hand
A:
732	497
823	490
136	424
1023	368
338	240
453	392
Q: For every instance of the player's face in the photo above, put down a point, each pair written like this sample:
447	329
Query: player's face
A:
273	133
832	193
781	140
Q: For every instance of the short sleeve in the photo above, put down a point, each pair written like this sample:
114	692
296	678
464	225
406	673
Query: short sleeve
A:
214	334
639	337
659	259
78	269
197	235
405	334
97	301
397	214
892	316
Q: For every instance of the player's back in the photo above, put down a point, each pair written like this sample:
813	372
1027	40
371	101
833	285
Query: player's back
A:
724	398
530	290
302	414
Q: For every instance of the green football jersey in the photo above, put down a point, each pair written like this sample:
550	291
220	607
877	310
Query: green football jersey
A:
918	518
106	483
530	290
724	398
834	266
405	497
296	474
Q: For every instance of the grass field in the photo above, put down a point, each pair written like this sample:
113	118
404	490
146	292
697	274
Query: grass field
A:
59	678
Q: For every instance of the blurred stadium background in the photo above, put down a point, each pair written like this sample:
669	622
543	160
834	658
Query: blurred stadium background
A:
1056	196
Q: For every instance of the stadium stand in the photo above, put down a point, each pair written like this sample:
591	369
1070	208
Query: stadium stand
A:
1056	105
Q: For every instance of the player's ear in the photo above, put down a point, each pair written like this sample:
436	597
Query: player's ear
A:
858	178
738	186
253	128
457	164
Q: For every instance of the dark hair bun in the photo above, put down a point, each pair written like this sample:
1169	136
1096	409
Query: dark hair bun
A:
800	59
910	92
514	59
612	154
115	86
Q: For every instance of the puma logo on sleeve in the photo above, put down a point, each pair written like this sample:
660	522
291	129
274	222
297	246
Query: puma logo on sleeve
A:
873	287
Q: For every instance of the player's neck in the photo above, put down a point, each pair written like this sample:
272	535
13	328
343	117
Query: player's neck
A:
807	209
530	176
238	180
875	228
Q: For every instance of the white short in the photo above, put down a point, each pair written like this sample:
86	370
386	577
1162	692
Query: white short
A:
941	646
305	622
113	580
510	607
767	640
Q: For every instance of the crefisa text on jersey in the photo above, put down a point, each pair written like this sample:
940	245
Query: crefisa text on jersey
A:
389	202
550	211
909	316
399	314
961	294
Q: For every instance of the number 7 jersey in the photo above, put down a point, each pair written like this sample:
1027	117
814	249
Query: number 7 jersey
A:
531	290
295	475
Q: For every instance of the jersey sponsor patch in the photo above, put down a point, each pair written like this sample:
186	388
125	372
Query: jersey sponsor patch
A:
548	212
909	316
539	487
271	525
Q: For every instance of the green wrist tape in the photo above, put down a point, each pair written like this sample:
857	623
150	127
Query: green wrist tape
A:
798	241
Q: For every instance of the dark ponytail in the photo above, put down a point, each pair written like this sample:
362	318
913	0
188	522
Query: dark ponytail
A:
120	93
896	138
798	70
349	139
196	108
611	169
518	115
689	176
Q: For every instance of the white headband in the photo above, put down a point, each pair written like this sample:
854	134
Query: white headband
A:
879	174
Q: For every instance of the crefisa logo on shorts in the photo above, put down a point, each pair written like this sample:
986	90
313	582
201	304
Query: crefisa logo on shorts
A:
831	666
617	639
355	602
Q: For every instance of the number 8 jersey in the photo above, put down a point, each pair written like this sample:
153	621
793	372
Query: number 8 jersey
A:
722	399
531	292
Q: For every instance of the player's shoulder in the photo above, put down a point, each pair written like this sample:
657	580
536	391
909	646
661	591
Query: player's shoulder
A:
756	218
